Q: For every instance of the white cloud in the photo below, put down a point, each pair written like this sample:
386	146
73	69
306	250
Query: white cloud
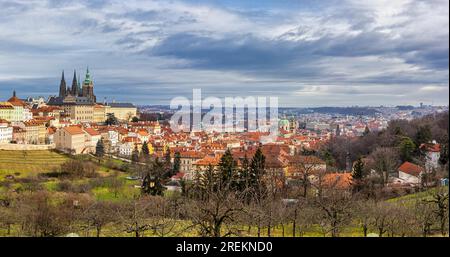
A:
364	48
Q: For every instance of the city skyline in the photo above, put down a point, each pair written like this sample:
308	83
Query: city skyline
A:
308	54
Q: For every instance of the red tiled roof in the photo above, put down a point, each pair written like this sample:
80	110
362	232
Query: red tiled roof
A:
131	140
6	105
411	169
337	180
192	154
73	130
431	147
16	101
92	131
207	160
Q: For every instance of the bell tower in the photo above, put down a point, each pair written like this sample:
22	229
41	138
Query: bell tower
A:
88	87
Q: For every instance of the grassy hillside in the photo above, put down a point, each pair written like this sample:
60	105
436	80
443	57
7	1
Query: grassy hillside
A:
28	162
412	198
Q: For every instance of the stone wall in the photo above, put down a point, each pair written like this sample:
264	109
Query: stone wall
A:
26	147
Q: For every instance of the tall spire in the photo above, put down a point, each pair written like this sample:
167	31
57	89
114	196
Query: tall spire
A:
75	84
62	86
14	93
87	80
80	89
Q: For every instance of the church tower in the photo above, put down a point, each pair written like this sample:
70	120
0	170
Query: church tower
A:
75	84
62	87
88	87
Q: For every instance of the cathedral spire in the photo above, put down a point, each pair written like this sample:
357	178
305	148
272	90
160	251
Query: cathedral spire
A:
87	80
62	86
75	84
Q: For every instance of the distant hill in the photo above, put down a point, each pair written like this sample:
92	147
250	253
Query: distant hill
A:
346	110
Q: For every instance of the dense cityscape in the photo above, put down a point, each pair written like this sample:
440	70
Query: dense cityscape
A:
316	149
224	127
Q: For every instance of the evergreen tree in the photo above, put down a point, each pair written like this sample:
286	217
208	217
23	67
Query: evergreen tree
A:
145	150
328	157
152	185
443	159
227	167
111	119
358	175
398	131
358	169
366	131
167	157
100	148
423	135
167	163
176	163
338	131
209	180
257	170
135	154
135	119
244	178
407	148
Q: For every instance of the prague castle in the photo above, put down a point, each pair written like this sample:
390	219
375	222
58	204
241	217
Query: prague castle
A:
80	103
76	94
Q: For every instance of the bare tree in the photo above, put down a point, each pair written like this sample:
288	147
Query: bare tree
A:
218	212
424	217
302	215
99	214
439	198
335	209
385	162
381	212
364	215
163	216
303	168
134	215
39	217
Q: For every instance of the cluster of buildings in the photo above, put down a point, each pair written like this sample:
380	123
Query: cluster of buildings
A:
74	122
35	121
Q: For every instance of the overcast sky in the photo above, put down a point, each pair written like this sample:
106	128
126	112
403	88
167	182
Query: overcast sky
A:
308	53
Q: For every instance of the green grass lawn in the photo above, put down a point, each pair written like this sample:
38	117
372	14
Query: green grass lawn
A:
29	162
412	198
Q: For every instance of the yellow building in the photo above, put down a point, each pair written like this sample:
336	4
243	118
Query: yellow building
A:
123	111
6	111
80	112
100	112
70	139
18	105
32	132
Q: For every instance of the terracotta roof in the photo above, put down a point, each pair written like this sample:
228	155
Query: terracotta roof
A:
92	131
431	147
306	159
6	105
207	160
131	140
179	175
337	180
16	101
73	130
34	122
411	169
192	154
143	133
51	130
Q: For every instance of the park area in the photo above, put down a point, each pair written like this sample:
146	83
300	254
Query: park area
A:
46	193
